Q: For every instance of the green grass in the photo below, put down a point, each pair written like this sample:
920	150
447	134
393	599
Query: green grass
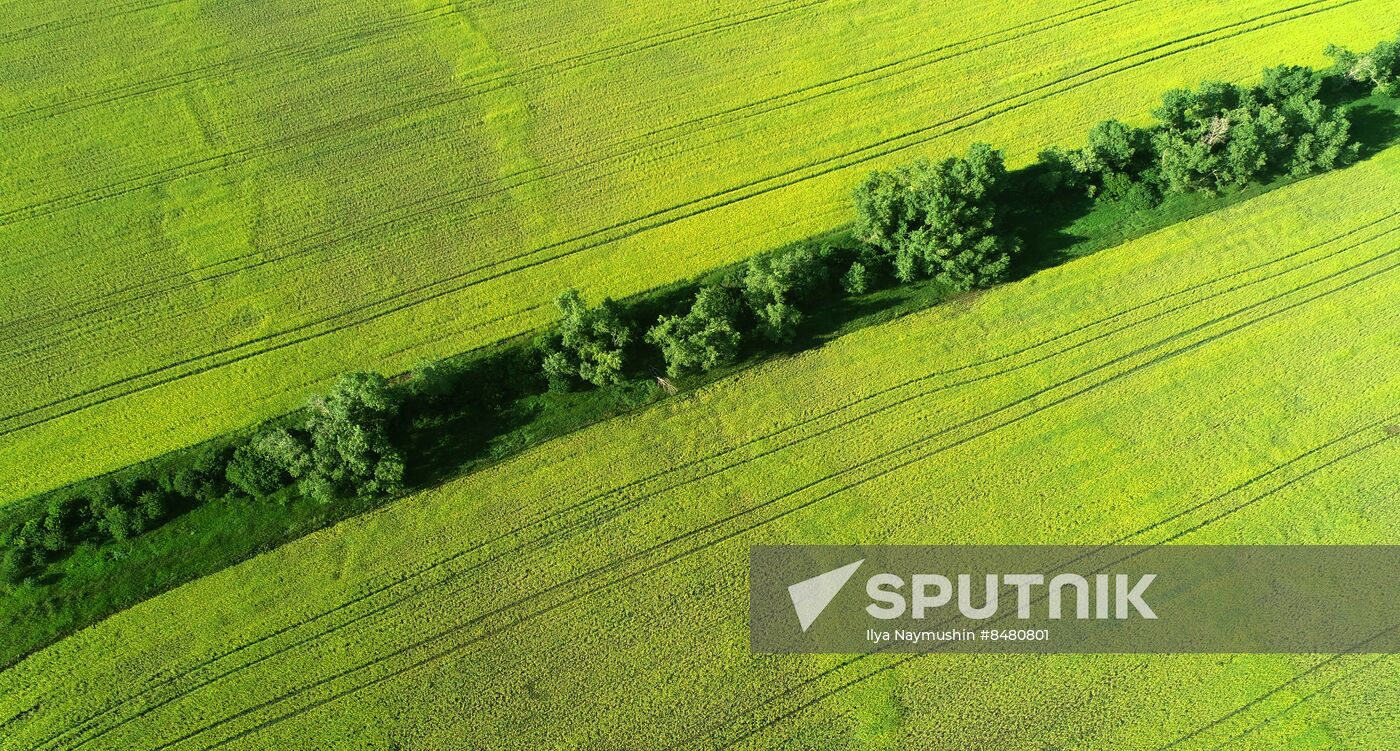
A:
1225	380
208	210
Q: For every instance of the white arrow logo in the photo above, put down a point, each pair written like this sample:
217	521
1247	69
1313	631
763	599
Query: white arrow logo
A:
811	596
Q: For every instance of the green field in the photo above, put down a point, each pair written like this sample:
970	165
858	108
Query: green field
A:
208	209
1226	380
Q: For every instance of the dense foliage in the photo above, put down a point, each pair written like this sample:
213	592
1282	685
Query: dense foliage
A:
1379	68
1213	138
704	338
940	220
589	345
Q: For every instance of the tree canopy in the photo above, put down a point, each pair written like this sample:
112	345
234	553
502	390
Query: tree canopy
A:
939	219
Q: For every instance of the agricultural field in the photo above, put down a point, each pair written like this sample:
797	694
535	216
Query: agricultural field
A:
209	209
1226	380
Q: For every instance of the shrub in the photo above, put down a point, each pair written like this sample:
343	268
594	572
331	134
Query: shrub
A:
253	472
350	451
203	480
1379	68
151	506
1222	135
774	286
856	280
120	523
63	519
13	563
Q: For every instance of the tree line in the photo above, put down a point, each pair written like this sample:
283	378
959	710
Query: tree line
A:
946	221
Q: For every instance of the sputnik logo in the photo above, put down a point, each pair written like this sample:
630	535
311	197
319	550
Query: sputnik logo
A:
811	596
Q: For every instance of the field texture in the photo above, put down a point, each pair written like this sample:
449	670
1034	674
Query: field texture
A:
1228	380
208	208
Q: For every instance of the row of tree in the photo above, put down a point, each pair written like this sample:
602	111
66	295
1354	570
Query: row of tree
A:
762	302
942	220
341	449
1215	137
948	220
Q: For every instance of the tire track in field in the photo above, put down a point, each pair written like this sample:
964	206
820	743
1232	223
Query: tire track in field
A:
334	44
1305	698
622	230
456	648
353	39
208	367
48	27
593	516
583	505
1296	678
331	239
769	723
719	531
44	318
471	89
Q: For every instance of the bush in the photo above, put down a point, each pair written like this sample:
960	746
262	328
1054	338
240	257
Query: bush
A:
13	563
120	522
111	512
702	339
151	506
940	220
856	280
589	346
1223	135
63	519
1114	160
203	480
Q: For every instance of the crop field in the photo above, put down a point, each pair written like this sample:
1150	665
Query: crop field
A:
1187	387
208	209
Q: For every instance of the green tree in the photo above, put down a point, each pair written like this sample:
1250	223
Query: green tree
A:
120	522
856	280
350	451
1116	163
1222	135
254	473
703	338
775	285
63	518
589	345
111	509
203	479
1379	68
940	219
13	564
152	505
285	451
1281	83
